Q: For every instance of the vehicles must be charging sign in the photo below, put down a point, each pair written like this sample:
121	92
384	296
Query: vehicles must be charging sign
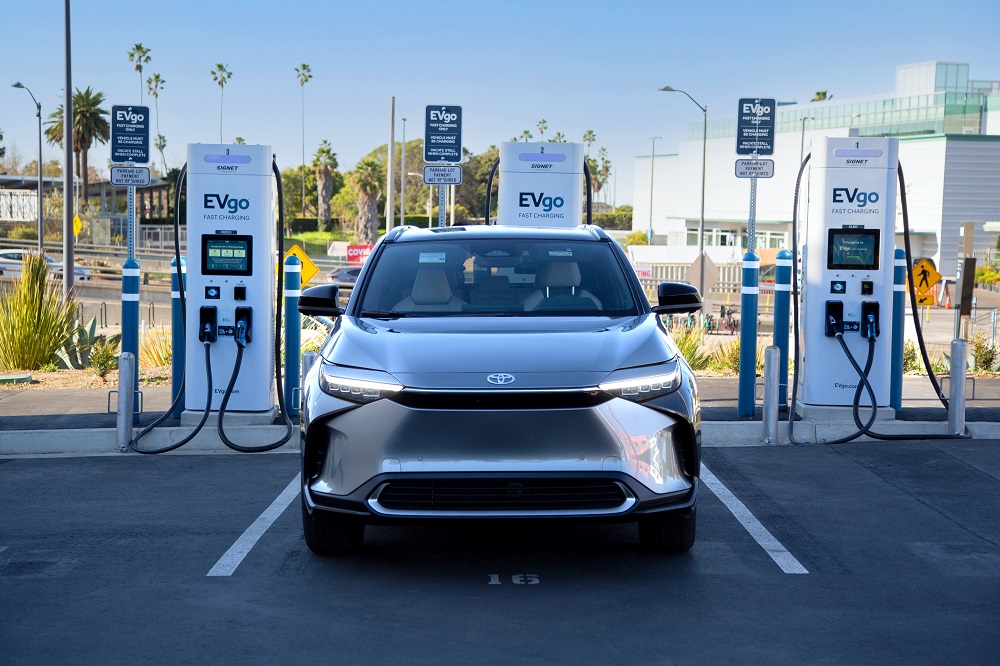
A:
755	126
130	134
443	134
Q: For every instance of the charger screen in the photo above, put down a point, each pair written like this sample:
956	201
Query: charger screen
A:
853	248
227	255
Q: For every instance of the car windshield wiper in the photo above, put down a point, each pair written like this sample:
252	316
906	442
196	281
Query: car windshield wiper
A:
379	314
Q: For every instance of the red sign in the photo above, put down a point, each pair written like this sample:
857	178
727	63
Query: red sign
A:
356	254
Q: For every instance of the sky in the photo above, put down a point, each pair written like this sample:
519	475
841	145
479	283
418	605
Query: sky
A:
578	64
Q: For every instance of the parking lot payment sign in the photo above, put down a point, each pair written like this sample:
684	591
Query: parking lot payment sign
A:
443	134
755	126
130	134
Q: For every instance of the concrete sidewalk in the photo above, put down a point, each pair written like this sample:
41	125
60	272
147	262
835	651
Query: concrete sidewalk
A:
77	421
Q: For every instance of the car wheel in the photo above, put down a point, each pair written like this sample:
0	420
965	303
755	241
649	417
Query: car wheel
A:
331	535
670	532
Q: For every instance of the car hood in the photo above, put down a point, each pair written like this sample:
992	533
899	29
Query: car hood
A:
460	352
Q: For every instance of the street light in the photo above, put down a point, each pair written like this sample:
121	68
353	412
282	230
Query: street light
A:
38	113
701	224
402	185
652	165
429	223
802	140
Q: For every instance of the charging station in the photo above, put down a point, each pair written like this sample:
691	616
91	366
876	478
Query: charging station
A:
541	184
847	272
231	276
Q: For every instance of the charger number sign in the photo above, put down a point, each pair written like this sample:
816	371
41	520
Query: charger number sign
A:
130	134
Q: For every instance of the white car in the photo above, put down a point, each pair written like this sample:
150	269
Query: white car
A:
10	265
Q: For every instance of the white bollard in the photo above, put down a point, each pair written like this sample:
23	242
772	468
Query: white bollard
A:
126	373
956	389
772	356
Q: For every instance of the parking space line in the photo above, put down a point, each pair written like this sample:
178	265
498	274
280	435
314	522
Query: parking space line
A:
231	559
771	546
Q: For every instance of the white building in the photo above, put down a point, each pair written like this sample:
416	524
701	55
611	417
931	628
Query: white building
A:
949	131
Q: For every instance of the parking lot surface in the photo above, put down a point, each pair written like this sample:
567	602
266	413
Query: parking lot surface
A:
106	559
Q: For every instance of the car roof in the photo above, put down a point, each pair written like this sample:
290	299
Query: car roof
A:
583	232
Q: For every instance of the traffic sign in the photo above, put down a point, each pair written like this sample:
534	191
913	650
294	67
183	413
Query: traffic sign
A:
754	168
926	299
130	134
309	269
924	276
134	176
442	175
755	126
443	134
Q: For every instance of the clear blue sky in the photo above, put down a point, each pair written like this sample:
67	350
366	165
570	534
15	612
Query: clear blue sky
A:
579	64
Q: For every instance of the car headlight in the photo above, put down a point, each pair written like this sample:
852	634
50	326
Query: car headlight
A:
354	389
642	387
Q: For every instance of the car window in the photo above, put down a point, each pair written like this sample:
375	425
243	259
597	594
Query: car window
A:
501	276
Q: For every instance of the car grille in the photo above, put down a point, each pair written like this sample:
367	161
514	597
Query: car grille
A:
515	496
500	400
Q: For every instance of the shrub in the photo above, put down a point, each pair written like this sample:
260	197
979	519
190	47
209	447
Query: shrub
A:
23	232
637	238
726	357
619	220
690	342
155	348
984	352
34	319
104	358
911	359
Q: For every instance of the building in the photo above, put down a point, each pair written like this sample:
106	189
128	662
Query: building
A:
949	131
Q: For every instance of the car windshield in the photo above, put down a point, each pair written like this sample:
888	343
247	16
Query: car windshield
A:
502	276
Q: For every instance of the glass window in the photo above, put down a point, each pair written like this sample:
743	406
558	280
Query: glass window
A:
497	276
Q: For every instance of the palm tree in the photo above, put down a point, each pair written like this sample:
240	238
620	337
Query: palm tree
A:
303	74
221	75
367	178
154	85
325	163
140	56
526	135
239	141
821	96
558	138
588	138
89	125
542	126
605	170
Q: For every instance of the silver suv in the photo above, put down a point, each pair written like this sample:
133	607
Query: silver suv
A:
489	372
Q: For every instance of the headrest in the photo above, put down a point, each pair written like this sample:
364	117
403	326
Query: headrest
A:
431	287
559	274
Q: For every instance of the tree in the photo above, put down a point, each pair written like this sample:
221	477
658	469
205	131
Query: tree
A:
589	138
3	151
605	170
154	85
304	74
221	75
89	125
526	135
140	56
367	177
558	138
471	194
325	163
821	96
542	126
239	140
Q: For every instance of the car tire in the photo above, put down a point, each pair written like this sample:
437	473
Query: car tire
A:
331	534
671	532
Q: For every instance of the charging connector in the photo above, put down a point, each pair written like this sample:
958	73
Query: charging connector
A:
243	318
208	318
834	318
869	320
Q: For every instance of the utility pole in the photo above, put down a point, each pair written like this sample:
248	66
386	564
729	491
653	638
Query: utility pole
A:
390	208
652	166
402	180
69	270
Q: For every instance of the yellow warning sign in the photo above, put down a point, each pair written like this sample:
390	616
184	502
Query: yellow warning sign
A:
926	299
77	225
924	276
309	269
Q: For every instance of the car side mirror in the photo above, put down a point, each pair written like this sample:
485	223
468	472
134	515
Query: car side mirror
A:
321	301
676	298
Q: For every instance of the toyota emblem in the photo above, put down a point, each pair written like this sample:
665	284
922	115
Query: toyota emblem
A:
500	378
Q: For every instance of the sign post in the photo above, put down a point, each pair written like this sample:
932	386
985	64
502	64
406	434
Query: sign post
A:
130	144
754	137
442	144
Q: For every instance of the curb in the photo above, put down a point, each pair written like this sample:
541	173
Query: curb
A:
720	434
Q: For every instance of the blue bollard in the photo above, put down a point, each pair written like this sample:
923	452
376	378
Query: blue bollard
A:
898	331
177	341
748	334
293	331
130	324
782	301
